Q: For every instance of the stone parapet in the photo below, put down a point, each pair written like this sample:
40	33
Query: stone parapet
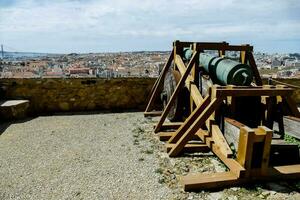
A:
79	94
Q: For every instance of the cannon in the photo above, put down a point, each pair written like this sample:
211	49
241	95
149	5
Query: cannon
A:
223	71
227	111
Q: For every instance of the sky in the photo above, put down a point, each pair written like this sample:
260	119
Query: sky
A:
82	26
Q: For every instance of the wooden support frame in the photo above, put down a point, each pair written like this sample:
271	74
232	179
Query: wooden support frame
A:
155	89
200	125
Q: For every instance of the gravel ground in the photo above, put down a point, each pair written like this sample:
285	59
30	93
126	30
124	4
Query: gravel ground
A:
106	156
78	157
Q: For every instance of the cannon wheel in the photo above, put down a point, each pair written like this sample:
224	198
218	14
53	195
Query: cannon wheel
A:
180	108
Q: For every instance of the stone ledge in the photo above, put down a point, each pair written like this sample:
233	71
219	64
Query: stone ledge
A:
13	109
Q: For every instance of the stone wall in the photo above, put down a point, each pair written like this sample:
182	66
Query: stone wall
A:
82	94
54	95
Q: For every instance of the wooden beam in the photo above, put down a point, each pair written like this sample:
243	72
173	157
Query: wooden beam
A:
155	88
176	92
235	92
189	83
152	114
245	148
253	66
225	179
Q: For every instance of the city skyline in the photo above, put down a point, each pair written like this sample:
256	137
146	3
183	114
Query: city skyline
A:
122	25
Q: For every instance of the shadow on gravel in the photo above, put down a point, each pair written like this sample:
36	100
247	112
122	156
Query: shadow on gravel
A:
5	124
68	113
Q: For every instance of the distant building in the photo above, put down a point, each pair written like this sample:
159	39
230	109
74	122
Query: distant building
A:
79	70
275	63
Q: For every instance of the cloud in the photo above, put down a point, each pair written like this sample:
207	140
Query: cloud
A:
79	21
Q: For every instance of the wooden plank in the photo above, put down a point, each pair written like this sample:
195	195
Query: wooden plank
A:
208	181
189	83
154	90
245	148
175	93
200	121
278	172
232	131
225	179
291	170
152	114
222	46
195	93
191	148
292	126
220	141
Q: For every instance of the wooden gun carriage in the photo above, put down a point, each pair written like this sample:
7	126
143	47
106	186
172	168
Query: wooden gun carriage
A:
241	123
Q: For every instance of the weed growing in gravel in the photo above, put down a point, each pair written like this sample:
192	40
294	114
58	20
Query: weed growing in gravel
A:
159	170
292	140
161	180
138	130
148	151
141	159
136	142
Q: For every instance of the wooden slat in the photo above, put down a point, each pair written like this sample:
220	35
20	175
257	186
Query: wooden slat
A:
175	93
